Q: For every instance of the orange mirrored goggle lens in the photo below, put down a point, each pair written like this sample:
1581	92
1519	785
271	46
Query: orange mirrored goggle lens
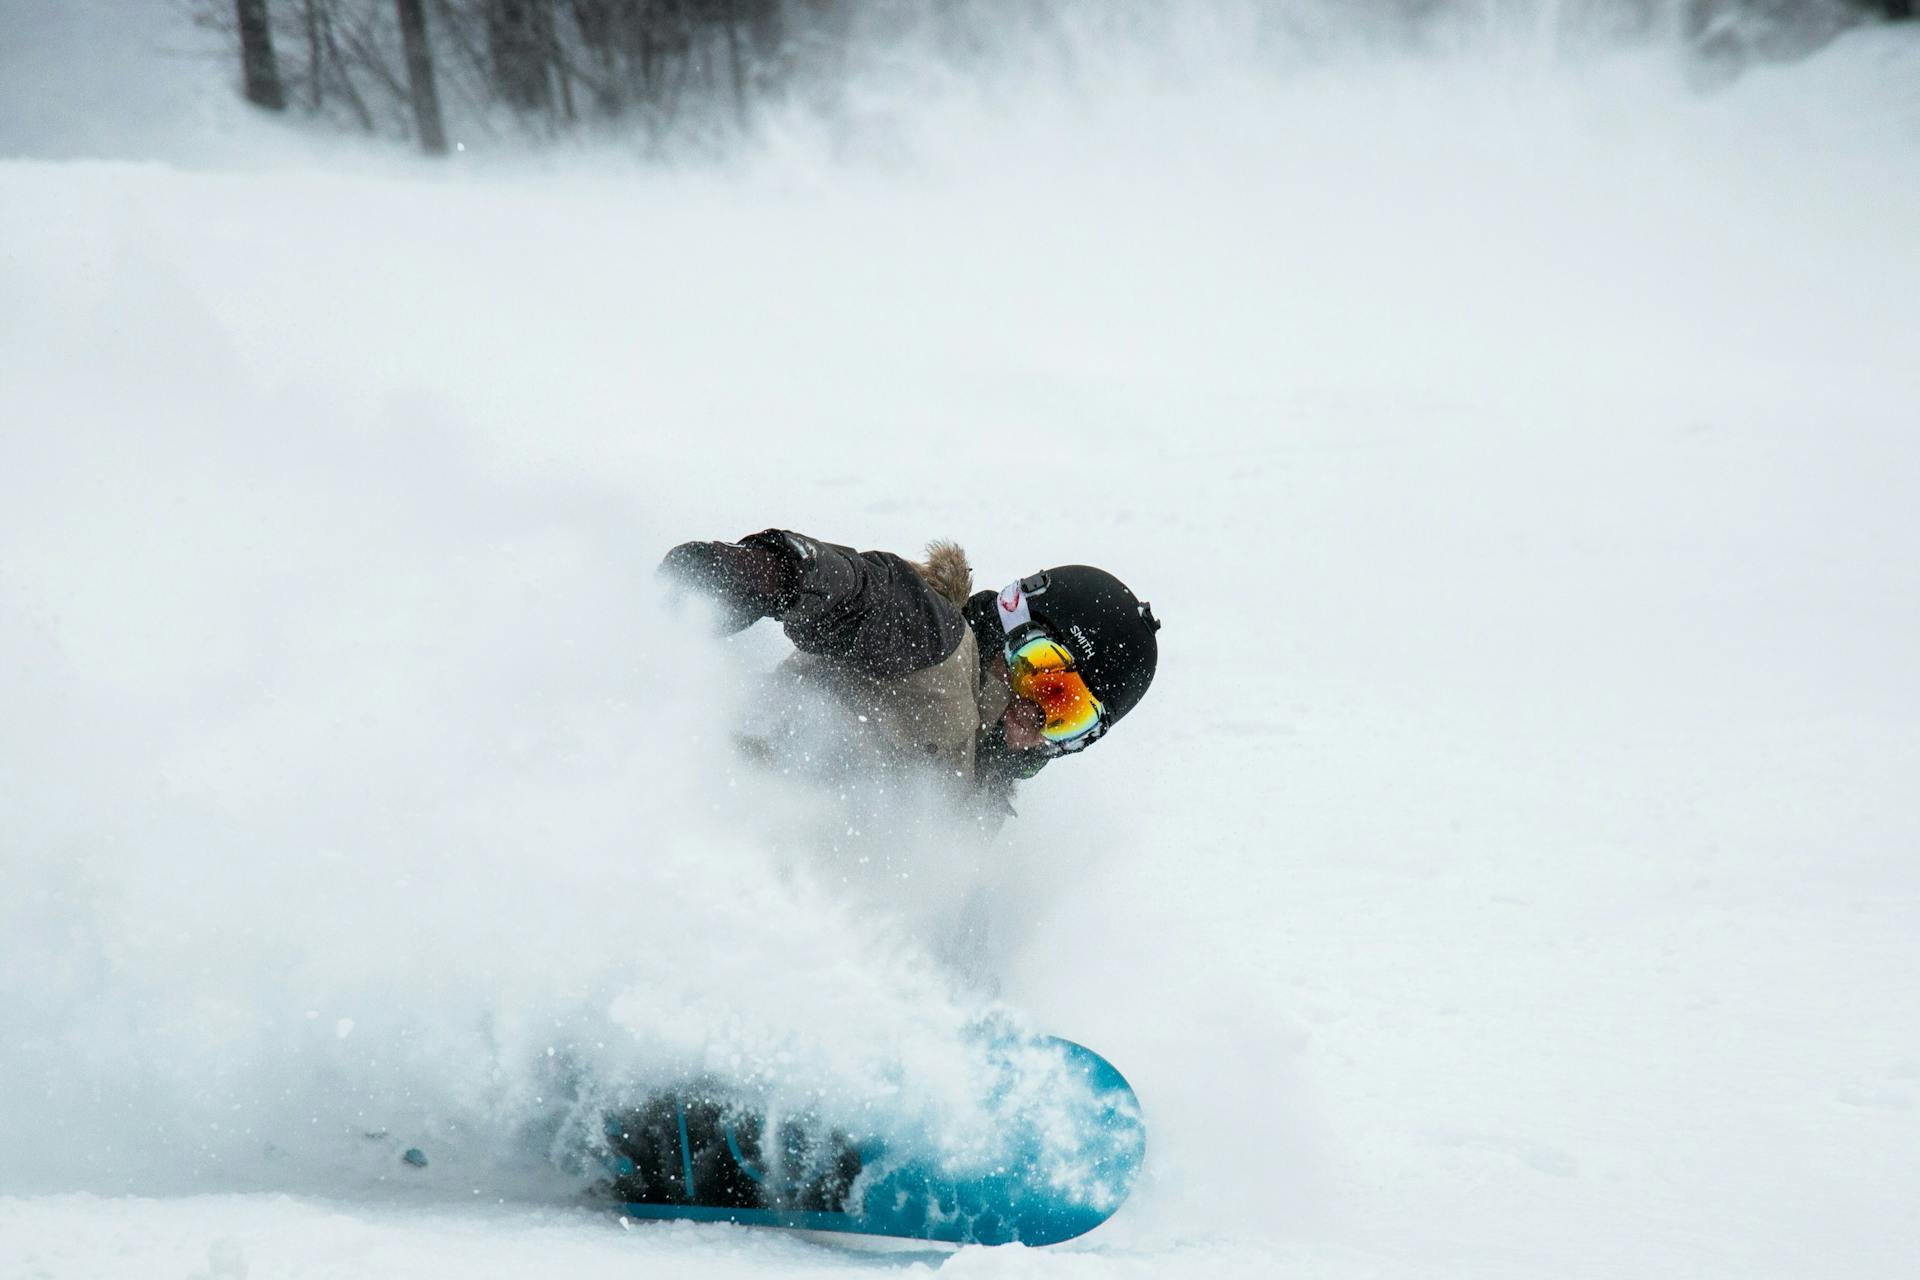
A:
1041	672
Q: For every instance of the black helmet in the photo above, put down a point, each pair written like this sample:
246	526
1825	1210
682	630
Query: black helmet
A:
1091	612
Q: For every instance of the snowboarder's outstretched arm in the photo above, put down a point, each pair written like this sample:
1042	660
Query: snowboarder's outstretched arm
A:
871	610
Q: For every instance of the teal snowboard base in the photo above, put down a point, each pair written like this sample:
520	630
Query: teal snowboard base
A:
1068	1154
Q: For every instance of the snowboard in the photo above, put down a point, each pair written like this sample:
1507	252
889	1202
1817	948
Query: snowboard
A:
1068	1144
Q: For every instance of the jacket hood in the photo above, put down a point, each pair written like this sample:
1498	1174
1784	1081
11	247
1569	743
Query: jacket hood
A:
947	571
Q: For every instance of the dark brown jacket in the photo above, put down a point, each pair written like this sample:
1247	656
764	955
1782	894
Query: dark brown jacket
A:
887	637
872	611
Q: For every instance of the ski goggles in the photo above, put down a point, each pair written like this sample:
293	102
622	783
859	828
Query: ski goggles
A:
1041	670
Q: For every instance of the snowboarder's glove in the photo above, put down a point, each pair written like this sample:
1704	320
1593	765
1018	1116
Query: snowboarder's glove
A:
748	580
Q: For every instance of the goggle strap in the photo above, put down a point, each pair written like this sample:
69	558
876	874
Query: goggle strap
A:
1012	608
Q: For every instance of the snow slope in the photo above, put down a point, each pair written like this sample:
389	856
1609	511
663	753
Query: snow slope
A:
1509	875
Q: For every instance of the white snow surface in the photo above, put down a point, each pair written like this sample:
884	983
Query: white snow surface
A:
1508	875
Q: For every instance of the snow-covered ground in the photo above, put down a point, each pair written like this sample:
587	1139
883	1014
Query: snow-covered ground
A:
1509	874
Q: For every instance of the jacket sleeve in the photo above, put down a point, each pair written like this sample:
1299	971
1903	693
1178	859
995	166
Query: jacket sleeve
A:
870	610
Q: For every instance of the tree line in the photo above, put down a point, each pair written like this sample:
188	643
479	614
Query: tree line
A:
389	66
395	66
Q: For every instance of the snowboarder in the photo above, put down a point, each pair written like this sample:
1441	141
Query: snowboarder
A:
987	688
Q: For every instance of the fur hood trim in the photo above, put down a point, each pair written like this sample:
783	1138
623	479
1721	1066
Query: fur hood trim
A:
947	570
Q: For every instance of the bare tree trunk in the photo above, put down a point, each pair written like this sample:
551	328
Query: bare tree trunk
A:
264	86
518	53
563	73
316	51
736	63
354	99
426	100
